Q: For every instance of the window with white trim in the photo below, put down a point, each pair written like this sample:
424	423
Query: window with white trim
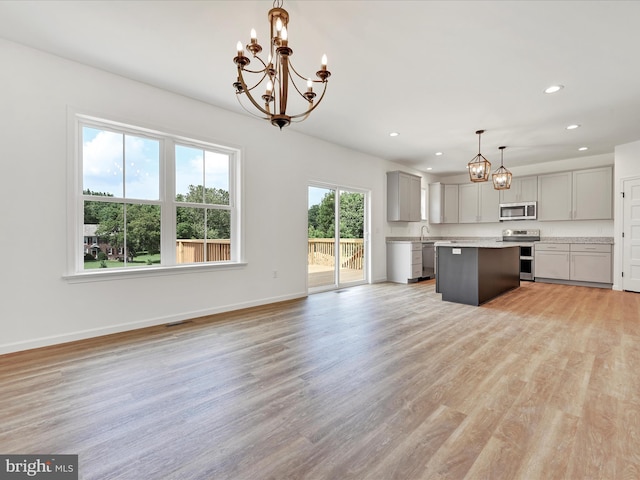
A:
153	199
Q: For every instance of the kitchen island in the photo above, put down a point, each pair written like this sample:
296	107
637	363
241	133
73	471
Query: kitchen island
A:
476	272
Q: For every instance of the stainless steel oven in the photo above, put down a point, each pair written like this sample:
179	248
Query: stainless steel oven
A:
525	239
526	262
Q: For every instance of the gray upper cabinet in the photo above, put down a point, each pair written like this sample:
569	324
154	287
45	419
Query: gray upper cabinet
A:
443	203
468	203
489	207
554	196
478	203
578	195
450	204
523	189
593	194
403	197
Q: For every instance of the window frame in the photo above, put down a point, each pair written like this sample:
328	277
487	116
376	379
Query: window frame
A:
75	271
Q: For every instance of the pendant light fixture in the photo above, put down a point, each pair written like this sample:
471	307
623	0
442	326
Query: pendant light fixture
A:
276	77
501	177
479	167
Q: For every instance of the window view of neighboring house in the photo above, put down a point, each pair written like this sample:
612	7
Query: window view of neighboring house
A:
92	243
149	199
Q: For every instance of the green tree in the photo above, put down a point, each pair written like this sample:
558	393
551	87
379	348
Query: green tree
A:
142	230
95	211
351	215
322	216
325	220
143	221
190	221
313	221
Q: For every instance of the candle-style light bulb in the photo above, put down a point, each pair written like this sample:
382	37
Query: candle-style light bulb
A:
284	35
278	25
269	88
240	49
309	85
324	61
254	36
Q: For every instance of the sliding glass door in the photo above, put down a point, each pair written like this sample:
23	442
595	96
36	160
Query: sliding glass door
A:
337	250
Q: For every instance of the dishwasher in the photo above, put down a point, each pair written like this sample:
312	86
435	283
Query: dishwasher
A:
428	260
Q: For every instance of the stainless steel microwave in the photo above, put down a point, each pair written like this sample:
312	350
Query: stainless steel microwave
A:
518	211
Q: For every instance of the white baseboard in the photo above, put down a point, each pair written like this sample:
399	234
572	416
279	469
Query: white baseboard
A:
125	327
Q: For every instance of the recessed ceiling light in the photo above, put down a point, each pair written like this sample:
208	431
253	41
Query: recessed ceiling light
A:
582	149
572	127
553	88
429	168
438	154
394	134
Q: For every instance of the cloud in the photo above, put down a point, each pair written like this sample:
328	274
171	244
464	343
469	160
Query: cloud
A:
105	164
116	163
190	165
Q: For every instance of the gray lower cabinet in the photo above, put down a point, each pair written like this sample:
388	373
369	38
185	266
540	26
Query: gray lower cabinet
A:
404	261
591	263
577	262
552	260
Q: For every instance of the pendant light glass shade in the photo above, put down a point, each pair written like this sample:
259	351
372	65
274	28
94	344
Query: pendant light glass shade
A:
501	177
479	167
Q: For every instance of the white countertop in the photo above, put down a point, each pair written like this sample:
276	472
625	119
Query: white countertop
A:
413	241
486	241
479	244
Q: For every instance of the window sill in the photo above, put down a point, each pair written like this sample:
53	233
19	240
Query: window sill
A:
159	271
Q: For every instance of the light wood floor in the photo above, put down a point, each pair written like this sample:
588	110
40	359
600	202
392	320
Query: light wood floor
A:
380	381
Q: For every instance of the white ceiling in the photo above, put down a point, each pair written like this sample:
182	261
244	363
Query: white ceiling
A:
435	71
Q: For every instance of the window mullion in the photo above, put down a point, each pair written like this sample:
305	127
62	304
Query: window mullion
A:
168	199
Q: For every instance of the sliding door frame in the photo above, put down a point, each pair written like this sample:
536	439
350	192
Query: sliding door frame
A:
339	189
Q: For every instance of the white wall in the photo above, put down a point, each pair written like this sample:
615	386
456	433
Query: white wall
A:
38	307
627	167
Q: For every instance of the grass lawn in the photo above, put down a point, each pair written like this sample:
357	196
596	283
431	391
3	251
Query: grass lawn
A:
139	261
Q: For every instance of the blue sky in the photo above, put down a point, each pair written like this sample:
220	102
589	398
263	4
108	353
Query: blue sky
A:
104	163
316	194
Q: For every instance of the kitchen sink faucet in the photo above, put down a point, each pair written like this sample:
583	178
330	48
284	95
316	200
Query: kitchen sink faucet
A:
422	231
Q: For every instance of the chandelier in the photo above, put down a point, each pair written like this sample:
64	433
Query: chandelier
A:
501	177
479	167
276	78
